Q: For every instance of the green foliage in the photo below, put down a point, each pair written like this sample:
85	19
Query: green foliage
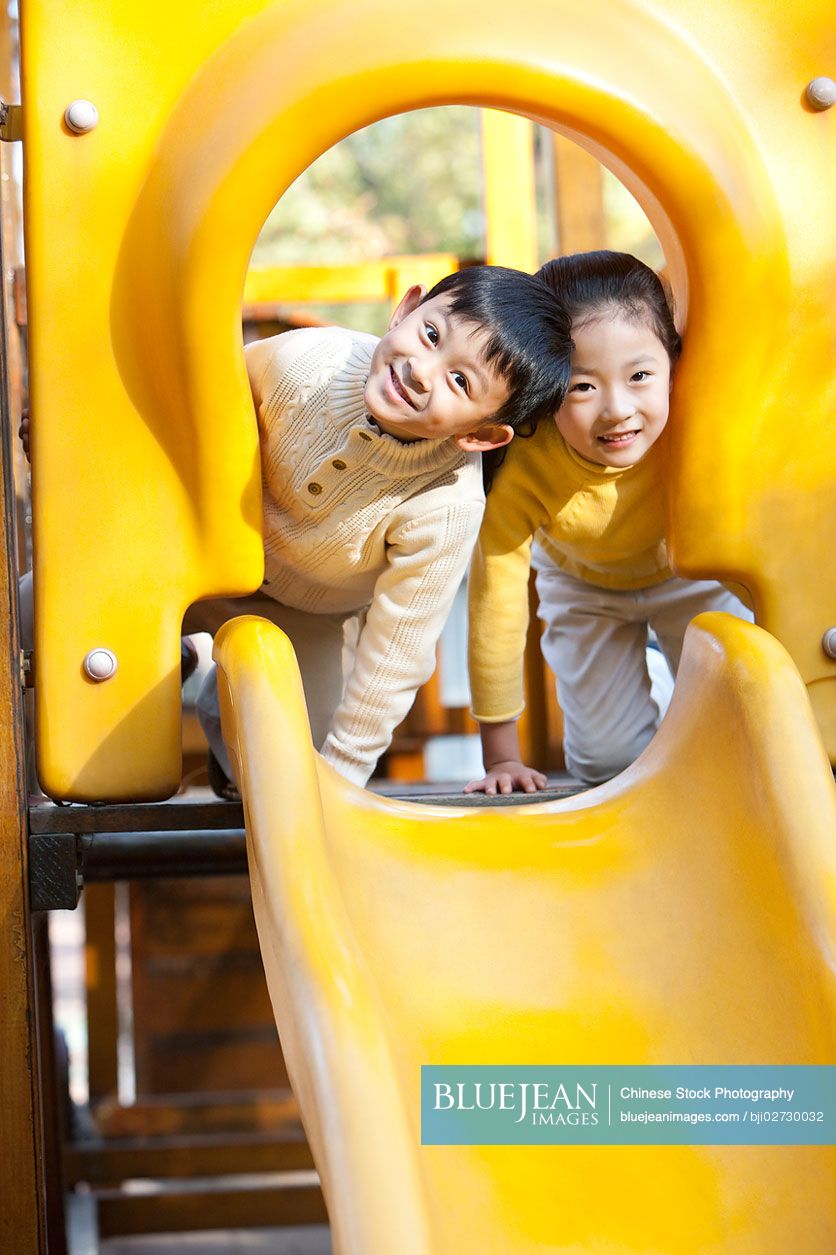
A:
413	184
408	184
628	230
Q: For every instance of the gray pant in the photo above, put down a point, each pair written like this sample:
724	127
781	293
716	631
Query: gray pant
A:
595	642
323	647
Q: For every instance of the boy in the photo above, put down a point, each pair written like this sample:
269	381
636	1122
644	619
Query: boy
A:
373	490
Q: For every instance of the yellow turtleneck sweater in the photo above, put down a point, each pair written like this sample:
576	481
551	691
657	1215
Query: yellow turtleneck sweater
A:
600	524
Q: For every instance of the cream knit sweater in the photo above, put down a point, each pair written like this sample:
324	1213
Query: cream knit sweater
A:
355	519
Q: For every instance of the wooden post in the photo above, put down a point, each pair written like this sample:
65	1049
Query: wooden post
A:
22	1186
579	198
22	1176
100	982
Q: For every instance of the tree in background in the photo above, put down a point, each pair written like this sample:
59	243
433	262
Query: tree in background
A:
408	184
412	184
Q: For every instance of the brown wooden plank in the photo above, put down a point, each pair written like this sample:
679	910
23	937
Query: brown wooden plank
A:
183	816
173	895
270	1206
177	1063
579	198
100	981
54	1090
177	816
213	928
109	1161
273	1112
239	996
187	948
22	1181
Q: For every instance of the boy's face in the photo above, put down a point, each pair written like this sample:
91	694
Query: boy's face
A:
619	391
428	379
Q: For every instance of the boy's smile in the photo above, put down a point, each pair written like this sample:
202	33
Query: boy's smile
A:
428	379
619	392
397	390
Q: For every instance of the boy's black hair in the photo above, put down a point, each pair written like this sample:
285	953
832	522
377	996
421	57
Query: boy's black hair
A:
527	336
589	284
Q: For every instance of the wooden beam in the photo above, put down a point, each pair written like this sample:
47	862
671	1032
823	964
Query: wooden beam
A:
100	989
579	198
171	1210
108	1161
271	1112
22	1183
54	1090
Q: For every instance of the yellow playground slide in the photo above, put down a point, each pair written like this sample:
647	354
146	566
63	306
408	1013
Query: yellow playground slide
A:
682	914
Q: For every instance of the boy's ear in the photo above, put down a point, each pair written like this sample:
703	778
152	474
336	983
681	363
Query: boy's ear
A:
489	436
410	302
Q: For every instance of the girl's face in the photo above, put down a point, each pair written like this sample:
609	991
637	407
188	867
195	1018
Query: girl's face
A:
617	404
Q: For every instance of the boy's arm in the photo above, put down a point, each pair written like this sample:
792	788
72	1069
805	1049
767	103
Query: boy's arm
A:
395	653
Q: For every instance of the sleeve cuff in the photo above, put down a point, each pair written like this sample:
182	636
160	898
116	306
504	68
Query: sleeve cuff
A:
513	714
348	765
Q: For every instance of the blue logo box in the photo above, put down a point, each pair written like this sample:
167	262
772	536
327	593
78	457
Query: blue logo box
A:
736	1105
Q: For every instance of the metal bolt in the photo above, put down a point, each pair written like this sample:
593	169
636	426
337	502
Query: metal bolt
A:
828	642
26	669
81	116
821	92
100	664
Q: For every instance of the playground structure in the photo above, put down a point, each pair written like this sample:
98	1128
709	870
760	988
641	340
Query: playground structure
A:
394	934
138	232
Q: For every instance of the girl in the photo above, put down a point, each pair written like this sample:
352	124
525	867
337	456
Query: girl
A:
583	500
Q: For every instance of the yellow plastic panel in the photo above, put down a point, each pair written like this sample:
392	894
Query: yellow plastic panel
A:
349	282
143	502
138	236
683	913
509	191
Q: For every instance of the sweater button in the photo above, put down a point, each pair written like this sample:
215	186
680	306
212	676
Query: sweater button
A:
338	464
314	489
365	435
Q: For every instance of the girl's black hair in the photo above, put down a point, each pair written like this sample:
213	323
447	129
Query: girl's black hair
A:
590	284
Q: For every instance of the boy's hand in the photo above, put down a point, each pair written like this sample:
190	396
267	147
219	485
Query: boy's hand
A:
23	432
505	777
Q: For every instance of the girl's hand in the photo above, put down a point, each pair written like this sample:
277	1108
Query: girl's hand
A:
505	777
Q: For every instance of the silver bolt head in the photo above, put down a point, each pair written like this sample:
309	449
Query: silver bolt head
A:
821	92
100	664
81	116
828	642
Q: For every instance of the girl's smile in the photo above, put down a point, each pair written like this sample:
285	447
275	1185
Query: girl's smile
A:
618	400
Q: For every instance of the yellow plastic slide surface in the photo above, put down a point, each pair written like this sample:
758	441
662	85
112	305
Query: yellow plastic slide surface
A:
684	913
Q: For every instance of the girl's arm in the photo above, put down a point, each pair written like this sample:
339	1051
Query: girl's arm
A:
504	772
498	623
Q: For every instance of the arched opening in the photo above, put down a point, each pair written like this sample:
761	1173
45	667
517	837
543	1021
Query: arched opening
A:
406	200
284	88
